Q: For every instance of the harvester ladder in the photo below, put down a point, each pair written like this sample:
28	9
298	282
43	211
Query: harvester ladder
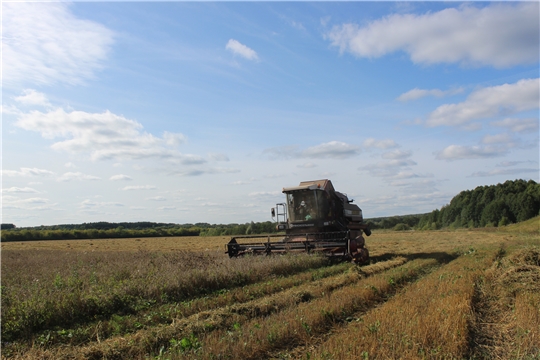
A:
281	210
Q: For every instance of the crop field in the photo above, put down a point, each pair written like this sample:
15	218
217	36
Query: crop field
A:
464	294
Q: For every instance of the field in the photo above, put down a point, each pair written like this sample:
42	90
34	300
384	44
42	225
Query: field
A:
465	294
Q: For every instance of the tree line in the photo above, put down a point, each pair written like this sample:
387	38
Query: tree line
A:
105	230
493	205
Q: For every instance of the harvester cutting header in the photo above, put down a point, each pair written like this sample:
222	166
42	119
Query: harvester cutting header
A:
315	218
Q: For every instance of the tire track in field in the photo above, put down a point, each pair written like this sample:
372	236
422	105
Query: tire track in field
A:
498	313
204	322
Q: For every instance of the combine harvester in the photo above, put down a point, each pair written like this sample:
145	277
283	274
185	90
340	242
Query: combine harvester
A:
315	218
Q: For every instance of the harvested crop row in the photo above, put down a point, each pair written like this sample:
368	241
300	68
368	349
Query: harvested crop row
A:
87	286
164	314
507	307
430	319
151	339
256	338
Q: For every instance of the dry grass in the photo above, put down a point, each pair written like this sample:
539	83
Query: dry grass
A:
428	320
144	298
507	323
173	243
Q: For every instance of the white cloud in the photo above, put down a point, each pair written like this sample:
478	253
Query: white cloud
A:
70	165
20	190
489	102
156	198
198	172
173	139
120	177
496	172
458	152
104	136
416	93
94	204
25	172
241	182
379	144
396	154
392	164
77	176
139	187
500	35
34	201
264	193
241	49
32	97
167	208
45	43
513	163
410	175
332	150
498	139
518	125
329	150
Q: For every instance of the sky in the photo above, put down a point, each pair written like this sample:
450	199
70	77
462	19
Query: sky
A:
187	112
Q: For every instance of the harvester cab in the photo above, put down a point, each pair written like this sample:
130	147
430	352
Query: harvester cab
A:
315	218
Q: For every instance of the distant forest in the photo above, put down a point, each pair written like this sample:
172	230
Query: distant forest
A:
485	206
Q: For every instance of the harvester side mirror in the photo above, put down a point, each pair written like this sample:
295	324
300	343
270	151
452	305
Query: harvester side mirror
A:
273	212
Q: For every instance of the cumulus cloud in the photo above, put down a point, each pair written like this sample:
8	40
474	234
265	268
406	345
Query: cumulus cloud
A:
139	187
77	176
104	136
502	100
518	125
240	49
173	139
416	93
499	35
458	152
20	190
329	150
32	97
379	144
25	172
120	177
46	43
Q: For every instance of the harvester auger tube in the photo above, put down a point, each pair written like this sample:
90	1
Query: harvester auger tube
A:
316	219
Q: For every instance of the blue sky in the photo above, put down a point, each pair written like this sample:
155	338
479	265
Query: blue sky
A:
201	111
